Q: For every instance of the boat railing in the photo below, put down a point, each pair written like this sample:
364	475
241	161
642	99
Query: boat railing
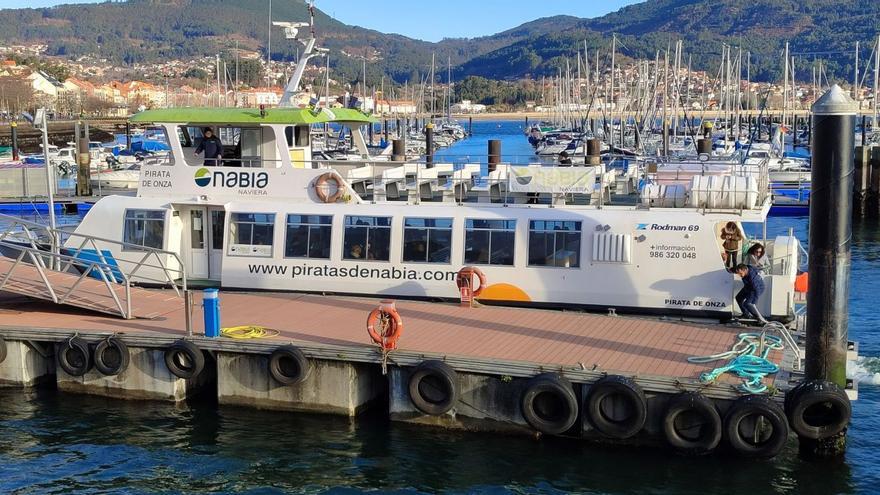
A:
70	250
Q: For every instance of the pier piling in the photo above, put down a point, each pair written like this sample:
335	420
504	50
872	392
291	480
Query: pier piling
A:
829	250
398	150
494	154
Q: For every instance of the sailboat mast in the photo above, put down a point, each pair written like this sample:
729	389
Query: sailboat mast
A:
856	75
611	93
784	96
876	79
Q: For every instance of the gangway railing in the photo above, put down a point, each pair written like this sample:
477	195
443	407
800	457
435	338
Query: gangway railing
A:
65	251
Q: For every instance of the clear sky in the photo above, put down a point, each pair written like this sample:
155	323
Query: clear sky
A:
433	20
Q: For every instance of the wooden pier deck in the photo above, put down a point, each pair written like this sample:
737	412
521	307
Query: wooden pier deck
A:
515	342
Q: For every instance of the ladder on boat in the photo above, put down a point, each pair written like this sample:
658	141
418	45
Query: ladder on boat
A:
78	270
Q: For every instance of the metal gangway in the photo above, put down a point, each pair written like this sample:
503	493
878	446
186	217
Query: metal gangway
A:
78	270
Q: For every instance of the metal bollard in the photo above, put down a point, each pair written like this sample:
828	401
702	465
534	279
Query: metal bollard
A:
211	305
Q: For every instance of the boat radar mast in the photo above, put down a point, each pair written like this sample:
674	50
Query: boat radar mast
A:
291	30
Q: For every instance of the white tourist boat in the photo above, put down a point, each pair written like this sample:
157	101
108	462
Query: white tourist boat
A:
268	217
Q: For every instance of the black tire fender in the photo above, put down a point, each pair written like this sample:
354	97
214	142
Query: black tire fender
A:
549	404
626	393
2	350
743	434
433	387
112	356
691	424
74	357
184	359
289	366
819	409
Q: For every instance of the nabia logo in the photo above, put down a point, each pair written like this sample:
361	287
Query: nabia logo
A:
231	178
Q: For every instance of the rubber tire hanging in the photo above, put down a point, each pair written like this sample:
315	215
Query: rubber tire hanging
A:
549	404
755	406
184	359
433	387
2	350
709	435
622	388
74	357
289	366
818	409
106	362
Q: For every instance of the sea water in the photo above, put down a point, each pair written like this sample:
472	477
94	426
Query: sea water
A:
60	443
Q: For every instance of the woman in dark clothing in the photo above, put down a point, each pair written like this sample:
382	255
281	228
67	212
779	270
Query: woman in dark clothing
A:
212	146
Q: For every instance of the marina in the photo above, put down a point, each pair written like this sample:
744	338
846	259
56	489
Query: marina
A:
665	257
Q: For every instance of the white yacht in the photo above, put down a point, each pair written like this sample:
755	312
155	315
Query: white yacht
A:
268	217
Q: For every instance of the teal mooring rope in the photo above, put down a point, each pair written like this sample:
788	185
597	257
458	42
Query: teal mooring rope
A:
748	363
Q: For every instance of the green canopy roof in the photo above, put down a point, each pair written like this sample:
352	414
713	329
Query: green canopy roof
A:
293	116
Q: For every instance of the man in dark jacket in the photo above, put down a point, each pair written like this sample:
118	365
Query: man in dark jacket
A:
753	287
212	146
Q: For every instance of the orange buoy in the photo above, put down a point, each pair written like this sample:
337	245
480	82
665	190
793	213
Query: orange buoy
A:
321	186
465	278
802	282
385	326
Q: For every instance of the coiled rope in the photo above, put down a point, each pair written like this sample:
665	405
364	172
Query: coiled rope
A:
248	332
748	360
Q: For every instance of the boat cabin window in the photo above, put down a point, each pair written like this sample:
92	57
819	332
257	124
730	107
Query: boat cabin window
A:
240	146
251	234
554	243
427	240
308	236
367	238
144	228
489	242
297	135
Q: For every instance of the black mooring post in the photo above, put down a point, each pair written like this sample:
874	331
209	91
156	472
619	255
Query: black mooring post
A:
429	145
470	126
385	131
829	247
864	130
14	127
128	135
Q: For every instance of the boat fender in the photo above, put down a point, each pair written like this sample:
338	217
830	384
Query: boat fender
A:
433	387
549	404
385	326
465	279
321	187
742	434
2	350
289	366
74	357
616	406
818	409
112	356
691	424
184	359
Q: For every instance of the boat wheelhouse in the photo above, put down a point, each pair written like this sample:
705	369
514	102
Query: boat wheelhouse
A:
269	217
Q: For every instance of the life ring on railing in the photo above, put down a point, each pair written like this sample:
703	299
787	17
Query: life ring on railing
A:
321	185
465	278
802	282
385	326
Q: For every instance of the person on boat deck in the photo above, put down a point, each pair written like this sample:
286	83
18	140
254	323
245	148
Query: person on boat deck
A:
564	159
731	237
212	146
757	258
753	287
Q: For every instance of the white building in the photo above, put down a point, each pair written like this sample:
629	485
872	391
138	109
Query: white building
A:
467	106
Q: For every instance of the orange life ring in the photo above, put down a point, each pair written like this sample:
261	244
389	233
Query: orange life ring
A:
802	282
386	339
321	183
466	276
